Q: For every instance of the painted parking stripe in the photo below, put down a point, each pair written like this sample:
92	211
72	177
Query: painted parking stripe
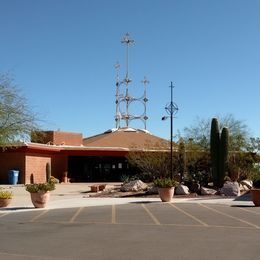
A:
250	211
38	216
155	220
189	215
230	216
75	215
4	214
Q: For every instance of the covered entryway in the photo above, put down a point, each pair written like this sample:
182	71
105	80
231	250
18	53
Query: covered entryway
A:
96	168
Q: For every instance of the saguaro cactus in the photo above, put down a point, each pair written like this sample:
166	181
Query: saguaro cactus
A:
214	150
223	155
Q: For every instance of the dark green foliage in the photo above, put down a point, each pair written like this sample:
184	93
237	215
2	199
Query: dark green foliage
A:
164	183
48	171
182	159
153	161
40	187
214	150
197	165
223	155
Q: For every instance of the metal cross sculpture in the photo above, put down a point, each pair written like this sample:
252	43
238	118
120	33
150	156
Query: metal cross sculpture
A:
171	109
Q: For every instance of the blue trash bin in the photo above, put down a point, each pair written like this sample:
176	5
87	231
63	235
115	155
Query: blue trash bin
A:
13	176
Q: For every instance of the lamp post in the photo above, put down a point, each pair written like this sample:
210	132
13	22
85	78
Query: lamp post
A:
171	109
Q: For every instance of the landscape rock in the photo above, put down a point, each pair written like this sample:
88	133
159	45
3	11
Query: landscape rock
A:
246	184
230	189
182	190
207	191
136	185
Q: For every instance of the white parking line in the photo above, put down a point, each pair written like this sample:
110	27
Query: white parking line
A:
156	221
75	215
189	215
230	216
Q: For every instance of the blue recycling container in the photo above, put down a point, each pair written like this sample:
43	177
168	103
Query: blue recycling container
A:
13	176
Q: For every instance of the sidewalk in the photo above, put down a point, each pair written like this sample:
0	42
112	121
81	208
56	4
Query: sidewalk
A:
76	195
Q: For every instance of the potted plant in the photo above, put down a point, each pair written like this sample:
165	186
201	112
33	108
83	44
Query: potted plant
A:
255	191
40	193
5	197
165	188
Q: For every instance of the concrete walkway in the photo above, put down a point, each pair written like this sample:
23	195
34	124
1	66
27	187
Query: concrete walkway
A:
77	195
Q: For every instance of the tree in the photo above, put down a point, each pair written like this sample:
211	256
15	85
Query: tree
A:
16	118
153	161
200	132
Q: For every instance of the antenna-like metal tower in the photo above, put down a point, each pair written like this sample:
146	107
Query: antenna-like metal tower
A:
123	98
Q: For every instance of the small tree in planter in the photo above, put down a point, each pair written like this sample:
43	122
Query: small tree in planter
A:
165	188
5	197
40	193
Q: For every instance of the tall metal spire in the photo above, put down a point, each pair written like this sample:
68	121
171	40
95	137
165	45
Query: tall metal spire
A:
123	98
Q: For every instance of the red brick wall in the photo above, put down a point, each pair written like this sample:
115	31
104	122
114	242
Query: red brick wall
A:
67	138
36	167
11	161
57	138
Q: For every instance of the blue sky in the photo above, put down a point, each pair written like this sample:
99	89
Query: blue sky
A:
62	53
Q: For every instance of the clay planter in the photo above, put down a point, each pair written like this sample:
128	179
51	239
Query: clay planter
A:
102	187
166	194
94	188
40	199
255	193
4	202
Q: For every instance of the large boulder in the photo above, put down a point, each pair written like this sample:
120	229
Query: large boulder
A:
136	185
246	185
230	189
207	191
182	190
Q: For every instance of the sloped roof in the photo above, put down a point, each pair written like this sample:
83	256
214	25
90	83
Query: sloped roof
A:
123	138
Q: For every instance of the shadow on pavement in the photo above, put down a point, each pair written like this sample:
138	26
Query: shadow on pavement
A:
16	208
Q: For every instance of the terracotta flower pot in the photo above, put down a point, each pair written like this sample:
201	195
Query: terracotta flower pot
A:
102	187
94	188
40	199
166	194
255	193
5	202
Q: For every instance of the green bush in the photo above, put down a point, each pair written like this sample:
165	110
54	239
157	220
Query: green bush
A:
54	180
4	194
164	183
40	187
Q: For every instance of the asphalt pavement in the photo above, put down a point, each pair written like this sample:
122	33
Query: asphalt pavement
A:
75	226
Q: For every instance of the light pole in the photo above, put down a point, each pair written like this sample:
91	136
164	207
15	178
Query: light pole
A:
171	109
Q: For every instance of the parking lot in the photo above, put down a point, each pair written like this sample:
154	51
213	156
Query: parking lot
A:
141	230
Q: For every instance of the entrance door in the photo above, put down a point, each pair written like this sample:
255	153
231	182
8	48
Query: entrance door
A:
93	169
